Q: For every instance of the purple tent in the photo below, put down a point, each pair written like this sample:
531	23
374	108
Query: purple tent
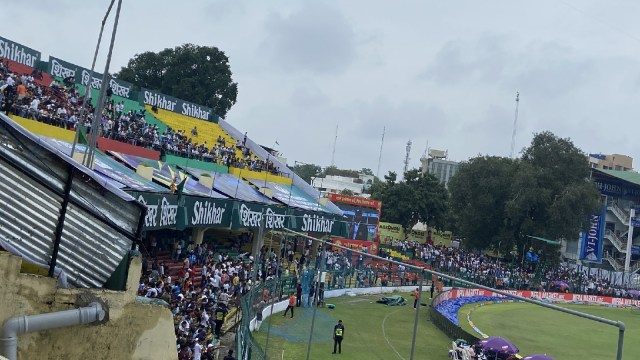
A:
498	344
538	357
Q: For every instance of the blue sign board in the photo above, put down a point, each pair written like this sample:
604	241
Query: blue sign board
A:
592	239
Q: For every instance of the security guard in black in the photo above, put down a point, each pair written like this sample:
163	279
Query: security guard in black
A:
338	335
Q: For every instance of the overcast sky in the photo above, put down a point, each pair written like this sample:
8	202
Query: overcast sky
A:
438	72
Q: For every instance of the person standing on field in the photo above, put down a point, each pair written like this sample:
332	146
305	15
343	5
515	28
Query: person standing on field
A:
416	296
292	305
338	336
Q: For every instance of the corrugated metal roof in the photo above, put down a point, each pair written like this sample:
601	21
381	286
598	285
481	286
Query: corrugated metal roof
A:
101	220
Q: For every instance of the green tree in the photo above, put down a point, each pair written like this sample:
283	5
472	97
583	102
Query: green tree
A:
479	192
546	193
199	74
366	171
333	170
417	198
347	192
307	171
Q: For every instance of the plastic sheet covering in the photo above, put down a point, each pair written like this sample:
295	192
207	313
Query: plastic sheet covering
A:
394	300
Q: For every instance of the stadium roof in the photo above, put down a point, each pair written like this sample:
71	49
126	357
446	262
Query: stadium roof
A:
628	176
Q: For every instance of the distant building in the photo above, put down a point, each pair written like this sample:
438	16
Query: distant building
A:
437	164
611	162
336	184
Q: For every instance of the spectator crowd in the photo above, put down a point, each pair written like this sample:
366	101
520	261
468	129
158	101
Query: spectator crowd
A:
60	104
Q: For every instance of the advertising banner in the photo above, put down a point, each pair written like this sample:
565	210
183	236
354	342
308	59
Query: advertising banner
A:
207	212
354	200
359	245
315	223
18	53
617	188
119	87
170	103
541	295
591	246
62	69
390	232
419	236
162	210
249	216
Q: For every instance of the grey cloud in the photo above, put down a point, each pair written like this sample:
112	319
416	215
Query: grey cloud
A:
316	38
460	61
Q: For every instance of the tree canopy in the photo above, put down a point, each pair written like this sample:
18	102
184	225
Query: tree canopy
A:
417	198
199	74
307	171
546	193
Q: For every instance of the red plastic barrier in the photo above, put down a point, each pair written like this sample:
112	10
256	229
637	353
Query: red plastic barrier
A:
105	144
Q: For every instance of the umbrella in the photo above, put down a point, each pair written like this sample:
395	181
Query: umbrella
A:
538	357
498	344
561	284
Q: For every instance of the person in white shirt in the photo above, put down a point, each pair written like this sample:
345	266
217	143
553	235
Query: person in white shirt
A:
197	351
33	109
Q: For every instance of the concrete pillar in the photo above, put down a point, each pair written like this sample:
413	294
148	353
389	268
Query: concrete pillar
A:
197	235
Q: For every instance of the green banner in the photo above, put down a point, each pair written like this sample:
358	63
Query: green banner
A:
62	69
162	210
173	104
207	212
317	223
18	53
249	216
119	87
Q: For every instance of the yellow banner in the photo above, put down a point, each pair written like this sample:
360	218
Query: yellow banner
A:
417	235
389	232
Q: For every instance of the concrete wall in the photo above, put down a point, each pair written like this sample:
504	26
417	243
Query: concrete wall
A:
133	331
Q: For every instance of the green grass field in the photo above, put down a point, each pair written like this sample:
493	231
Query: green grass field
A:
537	330
372	331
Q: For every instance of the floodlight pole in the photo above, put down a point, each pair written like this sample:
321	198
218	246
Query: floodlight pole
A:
273	290
87	90
415	321
619	324
97	115
315	298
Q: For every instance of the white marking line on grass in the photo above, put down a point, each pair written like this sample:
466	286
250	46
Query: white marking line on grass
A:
385	334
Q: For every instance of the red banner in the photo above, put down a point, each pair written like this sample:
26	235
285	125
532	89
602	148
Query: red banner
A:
360	245
354	200
541	295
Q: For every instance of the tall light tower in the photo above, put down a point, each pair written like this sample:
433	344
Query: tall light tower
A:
406	157
333	153
515	123
384	128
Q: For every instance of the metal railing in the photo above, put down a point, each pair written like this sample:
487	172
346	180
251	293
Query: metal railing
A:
619	212
614	262
620	244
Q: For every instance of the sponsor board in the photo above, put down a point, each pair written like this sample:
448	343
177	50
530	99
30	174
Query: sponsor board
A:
18	53
540	295
354	200
173	104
